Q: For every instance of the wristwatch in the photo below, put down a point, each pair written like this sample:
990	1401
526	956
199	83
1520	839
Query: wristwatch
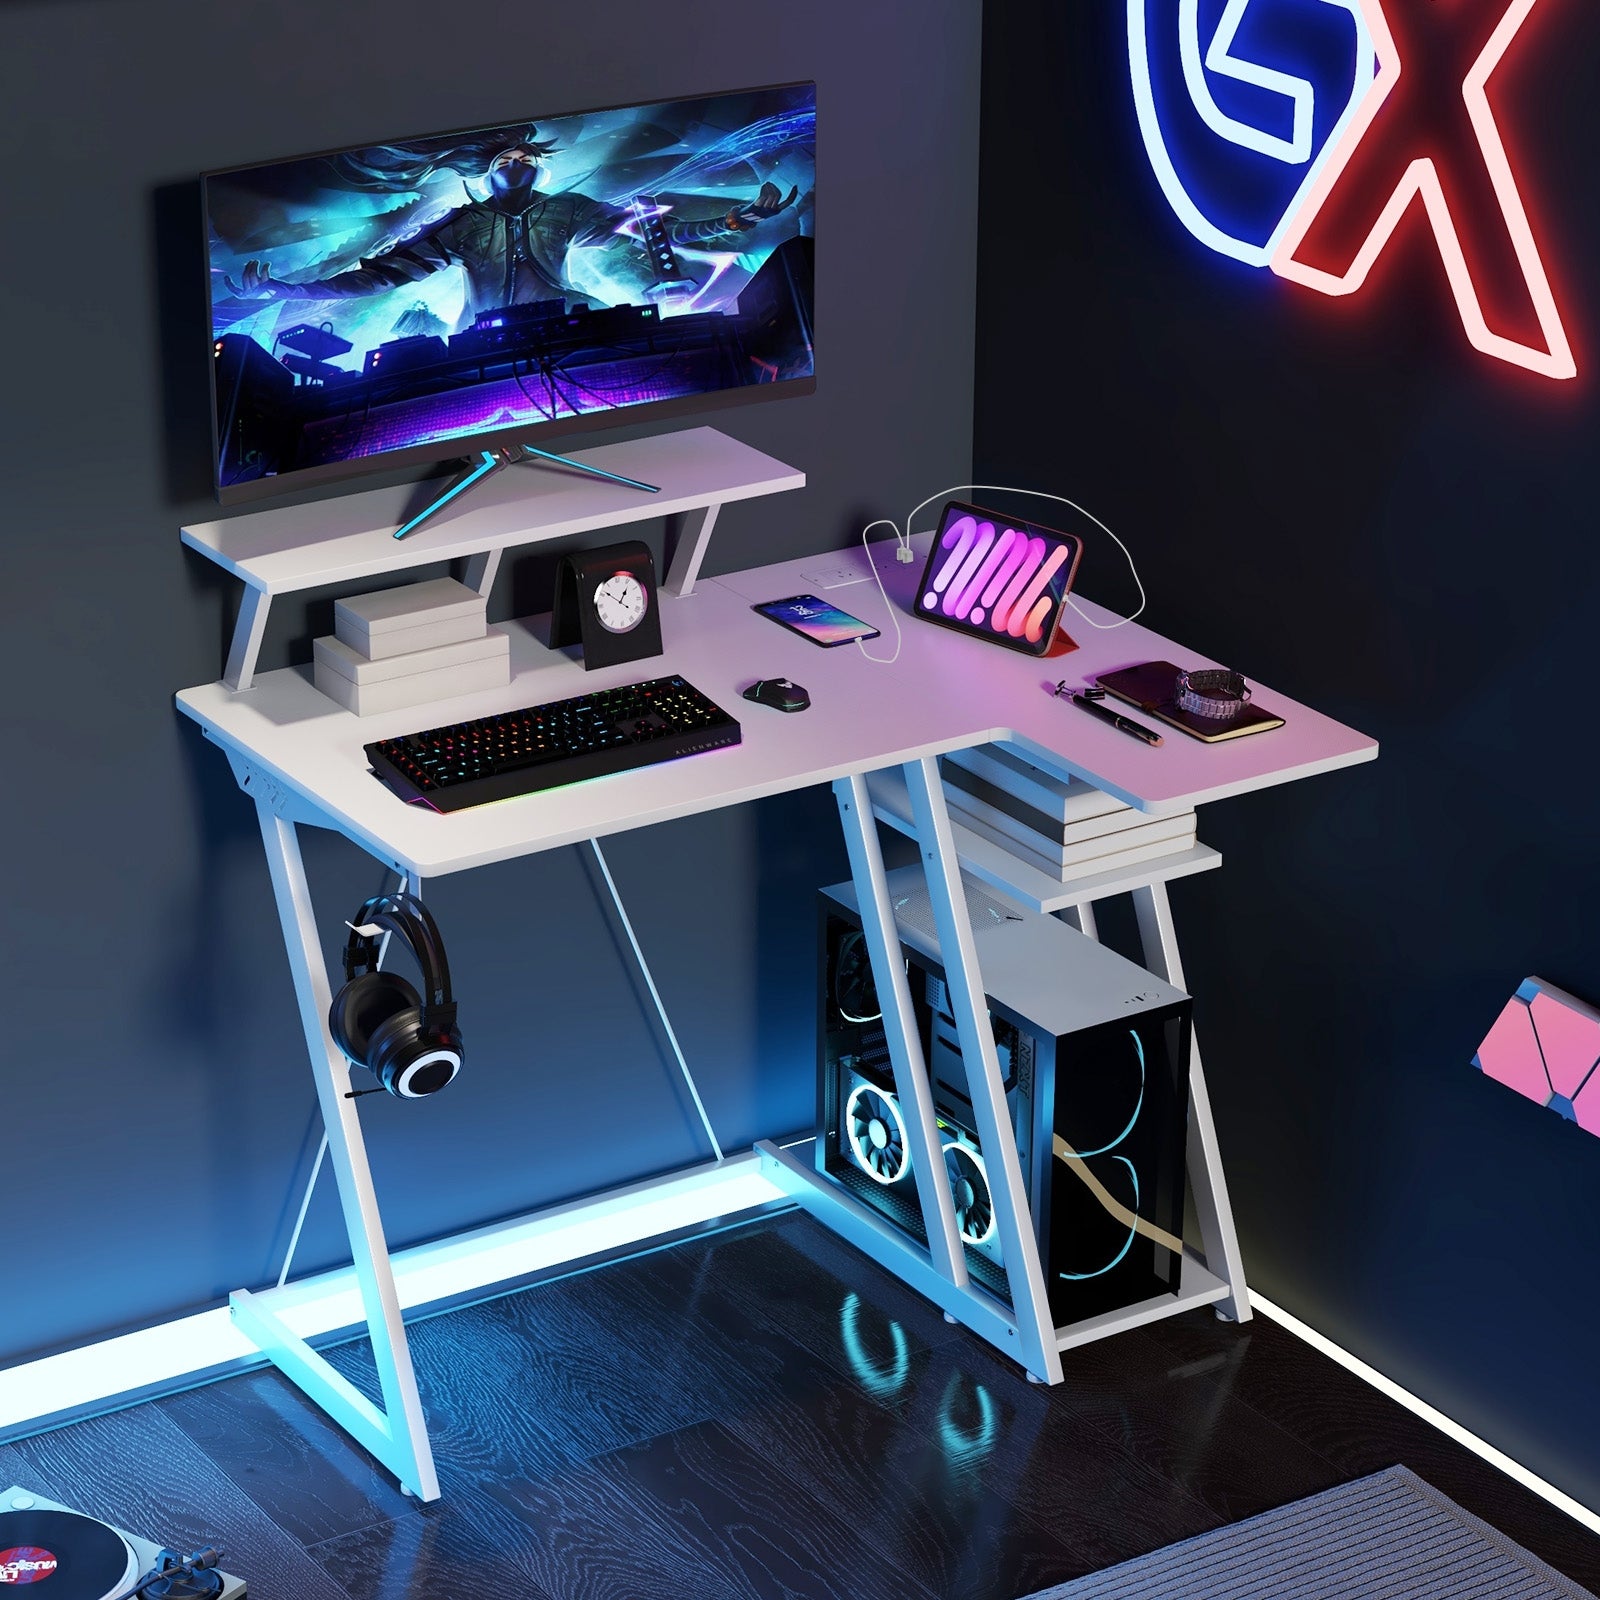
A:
1213	692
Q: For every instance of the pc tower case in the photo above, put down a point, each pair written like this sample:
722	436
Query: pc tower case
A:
1094	1058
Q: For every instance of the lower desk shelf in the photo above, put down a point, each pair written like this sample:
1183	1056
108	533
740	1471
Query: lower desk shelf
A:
1023	882
791	1169
1197	1286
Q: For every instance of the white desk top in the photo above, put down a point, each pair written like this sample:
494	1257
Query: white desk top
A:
945	692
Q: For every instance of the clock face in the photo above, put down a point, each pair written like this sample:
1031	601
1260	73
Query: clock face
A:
620	602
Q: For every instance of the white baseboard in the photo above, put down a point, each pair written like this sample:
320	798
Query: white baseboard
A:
1448	1426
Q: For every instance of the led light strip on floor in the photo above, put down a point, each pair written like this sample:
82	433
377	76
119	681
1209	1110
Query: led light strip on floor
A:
1452	1430
121	1371
118	1372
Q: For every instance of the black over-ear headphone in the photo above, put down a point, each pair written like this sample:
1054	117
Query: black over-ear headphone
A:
410	1044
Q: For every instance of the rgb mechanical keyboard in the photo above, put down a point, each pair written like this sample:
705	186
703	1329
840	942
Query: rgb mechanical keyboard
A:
543	747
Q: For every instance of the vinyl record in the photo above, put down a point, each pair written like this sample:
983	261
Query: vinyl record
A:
80	1558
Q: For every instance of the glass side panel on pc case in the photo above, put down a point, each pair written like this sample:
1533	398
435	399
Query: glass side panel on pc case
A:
421	298
1099	1116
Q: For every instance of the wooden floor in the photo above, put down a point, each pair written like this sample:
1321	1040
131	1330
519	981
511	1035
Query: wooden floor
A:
760	1412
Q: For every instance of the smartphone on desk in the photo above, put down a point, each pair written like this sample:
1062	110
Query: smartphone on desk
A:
820	621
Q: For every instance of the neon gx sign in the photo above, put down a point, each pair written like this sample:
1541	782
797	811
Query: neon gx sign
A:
1308	171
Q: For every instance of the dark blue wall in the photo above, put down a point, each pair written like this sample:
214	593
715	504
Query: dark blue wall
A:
1351	503
156	1110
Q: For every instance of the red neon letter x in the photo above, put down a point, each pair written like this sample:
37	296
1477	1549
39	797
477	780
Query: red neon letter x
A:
1444	146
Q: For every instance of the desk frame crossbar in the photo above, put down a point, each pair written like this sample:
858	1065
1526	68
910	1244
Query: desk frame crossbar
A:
397	1434
945	1253
1159	940
1019	1245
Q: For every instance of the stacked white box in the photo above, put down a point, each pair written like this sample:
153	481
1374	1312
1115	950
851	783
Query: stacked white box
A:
1061	825
415	616
409	646
366	687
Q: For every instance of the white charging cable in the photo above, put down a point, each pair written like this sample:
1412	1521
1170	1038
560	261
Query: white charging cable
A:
903	553
894	617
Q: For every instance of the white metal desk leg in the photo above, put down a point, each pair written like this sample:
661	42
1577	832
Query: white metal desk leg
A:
900	1027
1030	1300
693	535
1210	1189
398	1435
479	571
249	628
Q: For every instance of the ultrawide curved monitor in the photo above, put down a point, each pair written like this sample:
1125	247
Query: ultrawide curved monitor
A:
421	299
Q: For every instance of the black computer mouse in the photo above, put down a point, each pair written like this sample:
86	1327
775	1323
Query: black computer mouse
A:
779	693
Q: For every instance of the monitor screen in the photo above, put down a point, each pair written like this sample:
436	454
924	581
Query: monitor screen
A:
433	296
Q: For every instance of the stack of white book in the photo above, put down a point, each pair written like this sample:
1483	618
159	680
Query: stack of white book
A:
1060	825
408	646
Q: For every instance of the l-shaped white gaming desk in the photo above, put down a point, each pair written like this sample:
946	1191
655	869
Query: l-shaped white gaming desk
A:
874	731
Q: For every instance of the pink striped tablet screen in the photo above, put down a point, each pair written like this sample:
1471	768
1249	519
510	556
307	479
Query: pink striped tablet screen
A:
997	578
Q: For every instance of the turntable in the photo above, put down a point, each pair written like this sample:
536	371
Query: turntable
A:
84	1559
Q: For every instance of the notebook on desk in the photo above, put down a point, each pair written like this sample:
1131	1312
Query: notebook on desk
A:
1152	687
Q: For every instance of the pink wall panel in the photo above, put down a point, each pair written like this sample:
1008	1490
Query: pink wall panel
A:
1545	1044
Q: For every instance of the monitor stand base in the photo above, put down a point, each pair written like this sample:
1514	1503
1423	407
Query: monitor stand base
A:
488	462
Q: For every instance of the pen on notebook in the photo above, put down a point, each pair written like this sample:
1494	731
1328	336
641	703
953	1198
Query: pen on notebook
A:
1090	700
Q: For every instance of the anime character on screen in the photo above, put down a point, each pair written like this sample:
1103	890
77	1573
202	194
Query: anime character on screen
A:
515	245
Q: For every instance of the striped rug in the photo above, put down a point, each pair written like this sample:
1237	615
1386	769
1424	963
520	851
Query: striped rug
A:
1387	1537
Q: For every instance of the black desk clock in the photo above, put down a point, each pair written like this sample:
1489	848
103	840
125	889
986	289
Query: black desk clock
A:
605	600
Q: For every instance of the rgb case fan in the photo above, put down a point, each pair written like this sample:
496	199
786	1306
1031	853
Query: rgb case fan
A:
869	1134
969	1189
855	994
877	1133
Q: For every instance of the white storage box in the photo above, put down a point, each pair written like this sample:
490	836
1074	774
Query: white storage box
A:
366	687
415	616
